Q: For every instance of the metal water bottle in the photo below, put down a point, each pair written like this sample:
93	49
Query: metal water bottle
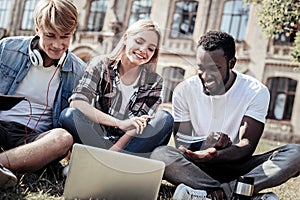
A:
243	188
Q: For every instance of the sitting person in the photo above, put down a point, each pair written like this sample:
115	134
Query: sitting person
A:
115	104
41	69
233	105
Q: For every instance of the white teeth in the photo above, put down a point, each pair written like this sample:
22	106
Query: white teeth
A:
138	55
207	84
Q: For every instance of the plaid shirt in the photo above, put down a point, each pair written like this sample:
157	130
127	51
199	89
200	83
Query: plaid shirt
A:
95	87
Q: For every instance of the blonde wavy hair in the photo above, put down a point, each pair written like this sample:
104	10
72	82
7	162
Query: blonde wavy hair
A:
59	16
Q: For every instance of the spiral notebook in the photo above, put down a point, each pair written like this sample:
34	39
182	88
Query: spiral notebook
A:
97	173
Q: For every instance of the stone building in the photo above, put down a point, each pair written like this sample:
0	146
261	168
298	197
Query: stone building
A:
101	23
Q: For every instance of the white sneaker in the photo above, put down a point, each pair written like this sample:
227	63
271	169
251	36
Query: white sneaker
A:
184	192
66	170
7	178
265	196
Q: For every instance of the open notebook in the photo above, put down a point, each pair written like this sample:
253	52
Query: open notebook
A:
103	174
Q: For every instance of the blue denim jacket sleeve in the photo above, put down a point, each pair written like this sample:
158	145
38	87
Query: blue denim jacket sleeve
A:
15	64
71	73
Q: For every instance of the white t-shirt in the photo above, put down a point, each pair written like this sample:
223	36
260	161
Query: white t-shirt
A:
220	113
35	88
127	92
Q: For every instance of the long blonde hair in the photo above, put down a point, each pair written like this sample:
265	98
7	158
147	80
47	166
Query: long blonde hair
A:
139	26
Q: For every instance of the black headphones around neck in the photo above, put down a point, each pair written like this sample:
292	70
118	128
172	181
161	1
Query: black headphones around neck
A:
36	56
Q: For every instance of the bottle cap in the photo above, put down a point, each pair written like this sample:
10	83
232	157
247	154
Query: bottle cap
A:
244	186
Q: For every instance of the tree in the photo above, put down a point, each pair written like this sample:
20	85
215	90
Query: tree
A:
281	17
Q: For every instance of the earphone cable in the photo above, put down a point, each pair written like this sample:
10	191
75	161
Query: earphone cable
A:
46	106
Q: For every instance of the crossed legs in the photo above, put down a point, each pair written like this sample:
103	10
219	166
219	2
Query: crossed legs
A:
47	147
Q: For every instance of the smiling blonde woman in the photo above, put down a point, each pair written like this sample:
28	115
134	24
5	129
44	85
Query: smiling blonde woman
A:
115	106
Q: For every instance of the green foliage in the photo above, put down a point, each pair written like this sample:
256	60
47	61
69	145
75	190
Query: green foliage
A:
278	16
296	48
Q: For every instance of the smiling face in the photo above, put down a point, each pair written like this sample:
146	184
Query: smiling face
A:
53	44
214	70
141	47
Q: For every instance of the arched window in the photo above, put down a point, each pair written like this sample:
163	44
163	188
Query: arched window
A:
184	18
96	15
140	9
27	19
235	19
4	13
172	76
282	97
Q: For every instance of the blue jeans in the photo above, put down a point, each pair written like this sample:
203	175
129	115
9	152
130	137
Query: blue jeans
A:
269	169
85	131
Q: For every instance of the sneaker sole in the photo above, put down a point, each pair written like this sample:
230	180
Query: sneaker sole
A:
7	179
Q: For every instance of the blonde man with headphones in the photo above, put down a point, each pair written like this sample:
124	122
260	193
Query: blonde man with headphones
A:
42	70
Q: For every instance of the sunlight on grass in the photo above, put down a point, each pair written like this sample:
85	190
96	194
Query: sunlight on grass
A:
48	184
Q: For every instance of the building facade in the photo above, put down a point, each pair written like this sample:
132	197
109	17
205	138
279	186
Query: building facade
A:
102	22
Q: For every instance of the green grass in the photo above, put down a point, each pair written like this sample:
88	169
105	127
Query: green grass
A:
48	184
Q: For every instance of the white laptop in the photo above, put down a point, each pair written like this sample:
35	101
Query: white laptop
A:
97	173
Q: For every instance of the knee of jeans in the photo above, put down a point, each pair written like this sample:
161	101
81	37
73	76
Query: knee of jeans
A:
166	118
66	116
170	119
294	151
161	152
157	153
290	153
165	114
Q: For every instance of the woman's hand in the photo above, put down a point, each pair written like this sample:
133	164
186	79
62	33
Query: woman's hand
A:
138	123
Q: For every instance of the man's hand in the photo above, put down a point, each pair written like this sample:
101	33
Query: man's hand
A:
199	156
222	142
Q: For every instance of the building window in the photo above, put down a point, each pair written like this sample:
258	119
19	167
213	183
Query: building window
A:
235	19
140	9
184	18
282	97
97	15
172	76
27	19
4	13
289	33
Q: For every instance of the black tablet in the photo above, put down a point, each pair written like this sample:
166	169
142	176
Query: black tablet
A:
9	101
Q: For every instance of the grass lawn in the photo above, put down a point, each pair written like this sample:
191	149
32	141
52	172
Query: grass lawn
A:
48	184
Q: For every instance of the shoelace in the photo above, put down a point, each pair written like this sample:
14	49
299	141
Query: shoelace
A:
199	195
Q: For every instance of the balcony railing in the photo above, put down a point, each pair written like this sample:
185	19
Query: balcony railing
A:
280	51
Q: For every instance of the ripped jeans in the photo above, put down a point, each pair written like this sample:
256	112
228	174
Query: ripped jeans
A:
269	169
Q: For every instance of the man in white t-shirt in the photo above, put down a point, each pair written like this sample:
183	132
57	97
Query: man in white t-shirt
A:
220	101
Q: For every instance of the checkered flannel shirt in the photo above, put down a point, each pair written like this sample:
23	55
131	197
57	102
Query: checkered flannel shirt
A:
95	87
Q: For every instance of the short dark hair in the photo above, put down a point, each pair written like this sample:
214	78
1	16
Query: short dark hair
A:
214	40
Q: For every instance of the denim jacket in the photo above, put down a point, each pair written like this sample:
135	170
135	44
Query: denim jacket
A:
15	64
